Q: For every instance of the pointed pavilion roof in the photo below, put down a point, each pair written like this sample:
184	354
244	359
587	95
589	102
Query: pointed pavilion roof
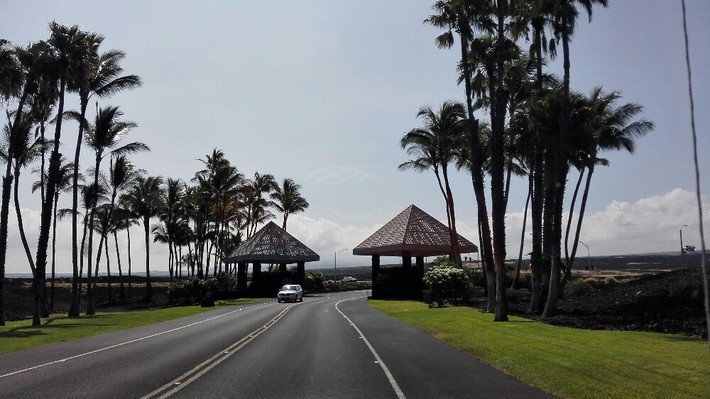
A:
272	244
414	233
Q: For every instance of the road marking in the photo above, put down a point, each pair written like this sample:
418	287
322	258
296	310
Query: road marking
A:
126	342
378	360
198	371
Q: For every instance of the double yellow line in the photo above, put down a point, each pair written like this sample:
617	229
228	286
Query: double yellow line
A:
198	371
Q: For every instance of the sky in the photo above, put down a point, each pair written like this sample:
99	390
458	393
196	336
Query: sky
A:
322	92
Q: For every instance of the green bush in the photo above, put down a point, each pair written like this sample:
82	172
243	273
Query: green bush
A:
447	283
314	281
192	290
578	288
476	277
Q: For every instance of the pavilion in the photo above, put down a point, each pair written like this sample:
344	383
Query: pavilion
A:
412	233
270	245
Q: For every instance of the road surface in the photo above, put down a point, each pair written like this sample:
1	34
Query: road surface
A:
329	346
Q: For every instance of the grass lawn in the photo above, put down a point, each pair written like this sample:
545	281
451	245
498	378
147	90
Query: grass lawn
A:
16	335
567	362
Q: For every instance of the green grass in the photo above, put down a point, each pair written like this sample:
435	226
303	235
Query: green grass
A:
16	335
567	362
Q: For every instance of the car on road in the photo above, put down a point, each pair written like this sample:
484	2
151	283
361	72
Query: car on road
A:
290	293
349	279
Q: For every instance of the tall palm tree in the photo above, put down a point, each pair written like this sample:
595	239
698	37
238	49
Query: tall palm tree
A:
464	17
104	135
121	174
31	63
253	192
288	199
565	13
611	128
94	75
143	199
434	147
67	43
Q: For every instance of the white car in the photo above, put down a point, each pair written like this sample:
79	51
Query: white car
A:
290	292
349	279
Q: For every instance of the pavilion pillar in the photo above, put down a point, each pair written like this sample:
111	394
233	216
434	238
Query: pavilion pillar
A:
408	275
301	272
418	286
375	274
242	275
282	267
256	275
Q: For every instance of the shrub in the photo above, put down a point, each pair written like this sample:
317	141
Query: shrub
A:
578	288
447	283
314	281
476	277
191	291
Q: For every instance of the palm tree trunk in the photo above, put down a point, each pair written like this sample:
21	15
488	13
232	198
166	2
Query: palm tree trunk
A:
108	272
582	208
453	234
74	307
54	251
522	236
148	286
571	214
4	219
130	263
498	202
121	289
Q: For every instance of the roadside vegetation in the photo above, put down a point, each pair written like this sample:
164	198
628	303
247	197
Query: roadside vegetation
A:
17	335
570	363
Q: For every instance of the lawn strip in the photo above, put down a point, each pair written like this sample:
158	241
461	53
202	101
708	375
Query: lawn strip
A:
568	362
17	335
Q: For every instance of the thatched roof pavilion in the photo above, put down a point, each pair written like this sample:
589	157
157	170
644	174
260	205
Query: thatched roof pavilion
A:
271	244
412	233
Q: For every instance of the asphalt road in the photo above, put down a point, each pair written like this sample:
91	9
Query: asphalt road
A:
330	346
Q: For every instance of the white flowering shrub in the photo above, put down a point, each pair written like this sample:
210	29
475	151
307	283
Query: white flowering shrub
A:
447	282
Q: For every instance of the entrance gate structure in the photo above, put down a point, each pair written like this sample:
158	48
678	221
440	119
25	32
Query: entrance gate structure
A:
412	233
270	245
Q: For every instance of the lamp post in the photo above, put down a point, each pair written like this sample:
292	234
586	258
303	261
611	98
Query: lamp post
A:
589	262
682	251
335	262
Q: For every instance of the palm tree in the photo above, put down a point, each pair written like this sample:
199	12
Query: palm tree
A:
143	199
464	17
99	75
434	147
288	200
66	42
121	174
610	129
105	134
565	13
30	65
253	191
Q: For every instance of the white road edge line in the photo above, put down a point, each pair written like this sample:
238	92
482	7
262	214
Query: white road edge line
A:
389	375
124	343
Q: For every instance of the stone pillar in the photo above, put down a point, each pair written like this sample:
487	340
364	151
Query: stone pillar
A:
242	275
301	272
256	275
282	267
375	274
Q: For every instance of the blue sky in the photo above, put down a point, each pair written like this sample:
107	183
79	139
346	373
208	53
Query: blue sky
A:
322	91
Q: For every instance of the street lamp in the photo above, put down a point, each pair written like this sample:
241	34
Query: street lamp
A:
589	262
336	262
682	251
